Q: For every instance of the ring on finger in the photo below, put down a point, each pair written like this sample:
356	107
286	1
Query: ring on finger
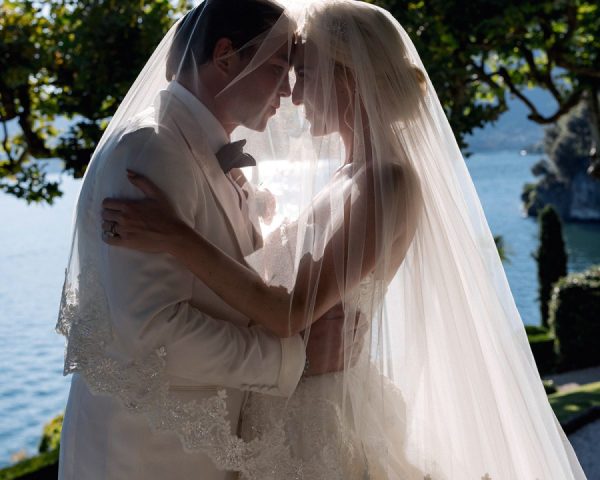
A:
112	231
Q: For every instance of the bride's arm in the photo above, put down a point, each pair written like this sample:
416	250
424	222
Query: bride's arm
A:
151	225
317	287
378	228
284	313
237	284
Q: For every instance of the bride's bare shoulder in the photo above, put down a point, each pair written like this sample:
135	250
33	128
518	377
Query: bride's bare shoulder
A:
401	195
400	181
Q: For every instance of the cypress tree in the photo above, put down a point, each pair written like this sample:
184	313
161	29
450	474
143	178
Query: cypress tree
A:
551	257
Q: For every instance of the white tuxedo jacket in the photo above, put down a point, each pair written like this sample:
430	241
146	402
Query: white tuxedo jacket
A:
155	302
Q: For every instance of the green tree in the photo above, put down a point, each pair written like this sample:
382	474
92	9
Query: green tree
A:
501	247
74	59
478	53
66	57
551	257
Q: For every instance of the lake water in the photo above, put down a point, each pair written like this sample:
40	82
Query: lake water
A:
34	241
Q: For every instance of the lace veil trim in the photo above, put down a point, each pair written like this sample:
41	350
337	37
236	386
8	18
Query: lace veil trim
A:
143	388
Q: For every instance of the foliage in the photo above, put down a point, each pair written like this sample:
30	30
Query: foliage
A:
40	467
529	196
575	402
44	465
478	54
551	257
575	319
549	386
541	341
76	59
73	59
51	435
501	247
533	330
542	348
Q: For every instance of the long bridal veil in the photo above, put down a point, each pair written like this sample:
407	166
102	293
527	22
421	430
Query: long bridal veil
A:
443	384
438	379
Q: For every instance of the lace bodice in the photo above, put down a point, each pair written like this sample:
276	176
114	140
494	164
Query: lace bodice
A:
317	421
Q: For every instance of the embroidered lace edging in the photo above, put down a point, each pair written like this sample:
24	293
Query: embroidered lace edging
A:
143	388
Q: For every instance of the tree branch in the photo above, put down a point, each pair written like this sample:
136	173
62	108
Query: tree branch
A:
595	114
7	102
542	78
503	73
588	72
535	115
485	76
35	144
571	21
5	141
564	108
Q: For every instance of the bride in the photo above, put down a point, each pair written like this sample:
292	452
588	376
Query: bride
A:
438	379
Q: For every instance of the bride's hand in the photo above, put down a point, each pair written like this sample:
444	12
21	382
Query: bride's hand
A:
149	225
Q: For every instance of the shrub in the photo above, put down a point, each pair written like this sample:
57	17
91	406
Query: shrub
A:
551	257
51	435
535	330
549	387
43	466
541	342
575	319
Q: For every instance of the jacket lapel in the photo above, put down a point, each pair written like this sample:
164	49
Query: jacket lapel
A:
220	185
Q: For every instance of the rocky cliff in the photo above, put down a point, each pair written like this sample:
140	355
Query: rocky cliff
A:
562	178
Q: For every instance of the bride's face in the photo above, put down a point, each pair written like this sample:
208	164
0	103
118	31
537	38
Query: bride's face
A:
323	90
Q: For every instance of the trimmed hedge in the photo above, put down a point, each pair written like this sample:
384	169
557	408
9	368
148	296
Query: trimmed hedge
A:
575	319
533	330
541	342
549	387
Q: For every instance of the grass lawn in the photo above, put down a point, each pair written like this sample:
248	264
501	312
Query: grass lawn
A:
567	405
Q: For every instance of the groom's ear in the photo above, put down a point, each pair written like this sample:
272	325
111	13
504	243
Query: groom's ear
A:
224	55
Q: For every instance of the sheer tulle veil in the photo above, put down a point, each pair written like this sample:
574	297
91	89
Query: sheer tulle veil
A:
439	380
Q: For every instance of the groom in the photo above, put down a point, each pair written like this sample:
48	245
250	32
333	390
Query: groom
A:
154	303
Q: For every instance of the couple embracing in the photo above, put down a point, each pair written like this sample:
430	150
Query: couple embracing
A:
370	335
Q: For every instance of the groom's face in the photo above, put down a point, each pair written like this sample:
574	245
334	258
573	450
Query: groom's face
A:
256	96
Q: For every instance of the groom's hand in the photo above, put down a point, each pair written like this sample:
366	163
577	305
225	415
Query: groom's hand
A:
326	350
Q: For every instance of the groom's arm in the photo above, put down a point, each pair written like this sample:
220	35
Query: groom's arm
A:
149	294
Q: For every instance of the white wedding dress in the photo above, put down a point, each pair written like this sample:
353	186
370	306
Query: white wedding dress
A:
446	386
322	433
318	432
320	445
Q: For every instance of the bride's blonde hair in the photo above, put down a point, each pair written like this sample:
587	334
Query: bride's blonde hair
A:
363	40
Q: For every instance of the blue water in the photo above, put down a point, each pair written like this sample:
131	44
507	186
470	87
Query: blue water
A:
34	242
34	245
499	178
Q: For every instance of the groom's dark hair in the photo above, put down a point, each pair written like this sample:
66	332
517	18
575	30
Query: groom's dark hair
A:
199	30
